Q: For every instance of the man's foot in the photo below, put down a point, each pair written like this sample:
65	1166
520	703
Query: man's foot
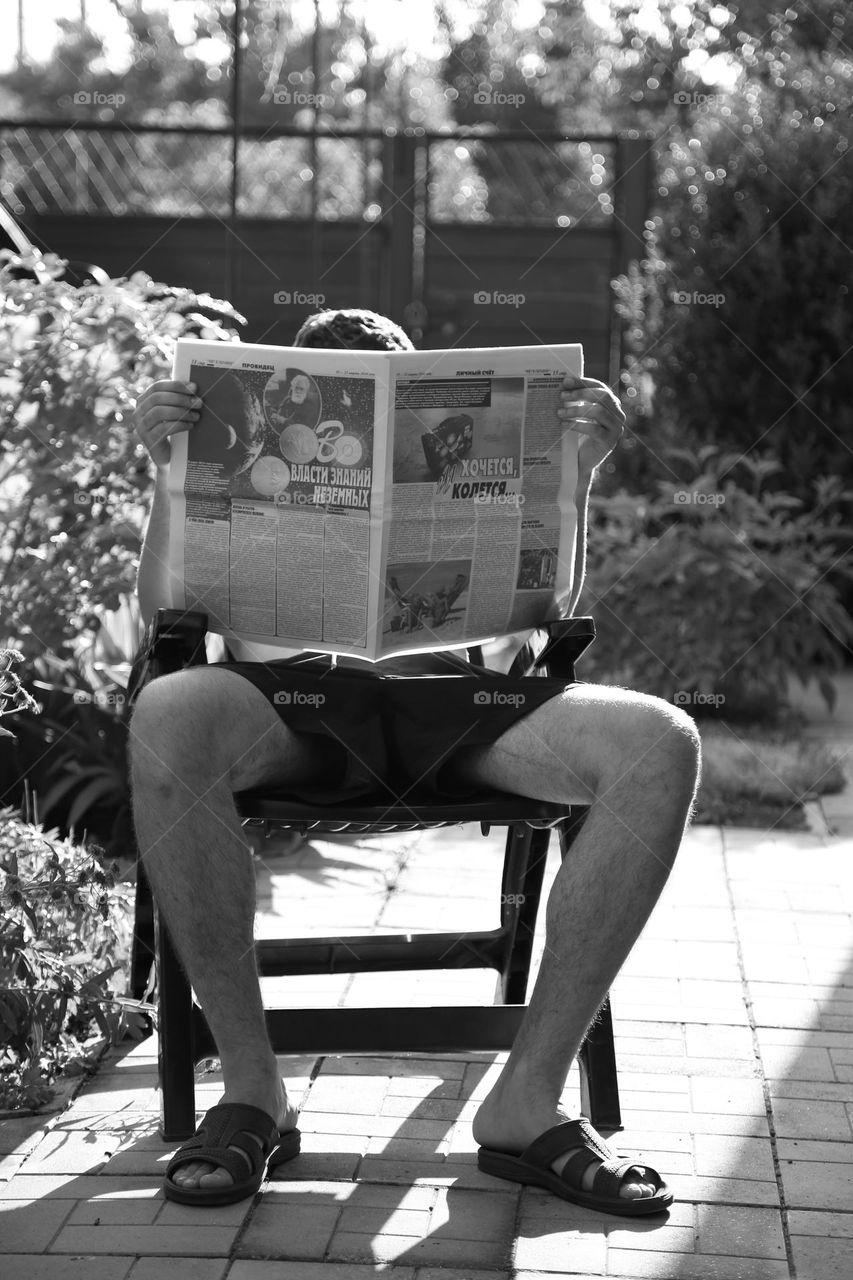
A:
513	1133
275	1103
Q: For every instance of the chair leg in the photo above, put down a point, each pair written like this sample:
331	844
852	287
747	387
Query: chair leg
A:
142	948
524	871
599	1082
175	1042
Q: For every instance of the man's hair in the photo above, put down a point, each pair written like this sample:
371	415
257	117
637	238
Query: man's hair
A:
354	330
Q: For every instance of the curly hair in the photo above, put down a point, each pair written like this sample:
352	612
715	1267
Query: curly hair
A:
353	329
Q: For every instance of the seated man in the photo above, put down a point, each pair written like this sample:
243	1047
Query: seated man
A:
199	735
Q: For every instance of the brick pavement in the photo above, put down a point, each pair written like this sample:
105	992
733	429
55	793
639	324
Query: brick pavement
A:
734	1021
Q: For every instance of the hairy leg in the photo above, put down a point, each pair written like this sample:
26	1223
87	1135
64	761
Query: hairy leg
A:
196	737
635	759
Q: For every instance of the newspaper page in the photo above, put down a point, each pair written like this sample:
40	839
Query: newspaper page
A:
480	528
373	503
274	516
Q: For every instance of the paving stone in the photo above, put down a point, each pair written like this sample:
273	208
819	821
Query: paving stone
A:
360	1219
811	1185
808	1222
735	1229
742	1097
815	1090
22	1133
68	1151
721	1157
393	1068
367	1195
725	1191
196	1241
247	1269
68	1186
788	1063
823	1259
111	1213
561	1250
317	1166
28	1226
433	1251
719	1042
406	1148
289	1231
471	1215
661	1238
804	1149
178	1269
803	1118
30	1266
639	1264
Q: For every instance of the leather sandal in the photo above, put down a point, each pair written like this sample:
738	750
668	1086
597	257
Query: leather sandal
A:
229	1126
533	1168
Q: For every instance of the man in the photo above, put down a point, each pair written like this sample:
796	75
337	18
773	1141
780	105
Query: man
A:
632	757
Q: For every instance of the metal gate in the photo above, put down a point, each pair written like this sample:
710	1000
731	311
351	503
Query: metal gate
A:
468	238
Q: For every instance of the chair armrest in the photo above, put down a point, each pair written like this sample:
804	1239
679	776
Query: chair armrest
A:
553	649
174	639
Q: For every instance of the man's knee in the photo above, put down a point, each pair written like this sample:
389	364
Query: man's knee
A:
657	740
172	729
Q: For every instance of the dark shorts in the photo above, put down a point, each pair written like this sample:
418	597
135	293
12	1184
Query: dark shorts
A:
389	733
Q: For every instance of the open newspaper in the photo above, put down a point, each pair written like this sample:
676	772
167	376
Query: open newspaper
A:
373	503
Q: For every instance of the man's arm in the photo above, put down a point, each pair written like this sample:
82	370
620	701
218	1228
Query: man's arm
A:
163	409
579	572
152	580
591	410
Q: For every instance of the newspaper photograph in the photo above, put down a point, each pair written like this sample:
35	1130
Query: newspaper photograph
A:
373	503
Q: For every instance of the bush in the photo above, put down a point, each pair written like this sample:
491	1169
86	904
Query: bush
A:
737	321
73	477
64	942
716	592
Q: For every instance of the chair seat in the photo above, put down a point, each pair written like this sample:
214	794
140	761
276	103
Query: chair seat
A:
381	814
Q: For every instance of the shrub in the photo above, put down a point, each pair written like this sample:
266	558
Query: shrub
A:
73	477
716	592
64	942
737	321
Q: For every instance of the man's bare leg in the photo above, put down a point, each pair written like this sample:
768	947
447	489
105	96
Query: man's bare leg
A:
635	759
196	737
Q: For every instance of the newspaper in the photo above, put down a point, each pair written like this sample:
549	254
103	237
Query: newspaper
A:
372	503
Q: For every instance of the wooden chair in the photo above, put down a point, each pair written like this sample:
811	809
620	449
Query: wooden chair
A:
176	640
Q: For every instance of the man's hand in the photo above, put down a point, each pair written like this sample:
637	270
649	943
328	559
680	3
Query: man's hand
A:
162	409
591	409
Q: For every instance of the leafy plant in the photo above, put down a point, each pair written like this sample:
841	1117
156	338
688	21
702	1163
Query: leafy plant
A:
64	941
73	477
716	592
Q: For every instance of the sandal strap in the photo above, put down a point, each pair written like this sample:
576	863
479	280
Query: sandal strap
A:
591	1149
553	1143
223	1158
224	1126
